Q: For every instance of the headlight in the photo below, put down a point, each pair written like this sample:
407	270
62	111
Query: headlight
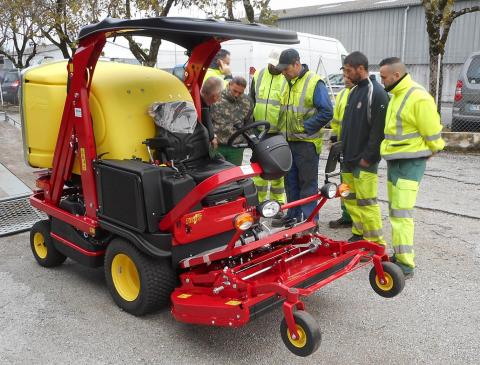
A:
329	190
269	208
243	221
343	190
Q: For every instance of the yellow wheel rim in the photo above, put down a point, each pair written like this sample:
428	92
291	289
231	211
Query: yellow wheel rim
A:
125	277
301	341
39	245
388	285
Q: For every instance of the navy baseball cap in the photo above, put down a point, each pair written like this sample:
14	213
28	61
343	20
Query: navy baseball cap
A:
287	57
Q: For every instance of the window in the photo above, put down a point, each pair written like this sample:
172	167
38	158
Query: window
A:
11	76
473	72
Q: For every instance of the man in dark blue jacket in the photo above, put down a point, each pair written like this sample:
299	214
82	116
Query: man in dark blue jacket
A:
362	134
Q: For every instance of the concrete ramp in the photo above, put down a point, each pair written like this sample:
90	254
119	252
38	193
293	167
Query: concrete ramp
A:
16	213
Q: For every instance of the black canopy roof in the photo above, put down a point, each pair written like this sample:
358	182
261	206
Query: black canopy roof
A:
188	32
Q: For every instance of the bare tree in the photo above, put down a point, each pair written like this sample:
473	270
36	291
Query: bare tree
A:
439	15
266	15
18	31
148	57
249	12
62	19
224	9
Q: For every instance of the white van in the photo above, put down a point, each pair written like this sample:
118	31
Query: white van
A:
323	55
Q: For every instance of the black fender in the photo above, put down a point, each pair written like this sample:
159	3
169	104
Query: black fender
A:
155	245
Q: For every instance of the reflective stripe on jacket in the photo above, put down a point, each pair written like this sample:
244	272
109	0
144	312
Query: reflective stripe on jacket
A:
297	106
412	125
268	90
338	111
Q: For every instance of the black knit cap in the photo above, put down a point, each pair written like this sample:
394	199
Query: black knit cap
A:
287	57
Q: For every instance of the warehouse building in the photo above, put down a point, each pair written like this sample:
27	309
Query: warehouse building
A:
384	28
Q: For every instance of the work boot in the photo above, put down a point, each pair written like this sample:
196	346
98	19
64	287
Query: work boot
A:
283	222
340	223
355	238
407	271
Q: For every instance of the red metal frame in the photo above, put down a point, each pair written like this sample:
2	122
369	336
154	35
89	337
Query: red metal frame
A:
76	247
201	57
224	296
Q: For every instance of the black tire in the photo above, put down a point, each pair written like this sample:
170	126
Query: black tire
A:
395	280
310	334
42	245
151	280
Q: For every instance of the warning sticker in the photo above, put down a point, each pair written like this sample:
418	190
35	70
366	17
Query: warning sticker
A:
78	112
247	169
83	159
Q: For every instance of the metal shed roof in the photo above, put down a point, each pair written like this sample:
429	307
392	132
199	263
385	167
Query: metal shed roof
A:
345	7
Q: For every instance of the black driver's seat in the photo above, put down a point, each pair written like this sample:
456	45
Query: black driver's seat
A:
190	151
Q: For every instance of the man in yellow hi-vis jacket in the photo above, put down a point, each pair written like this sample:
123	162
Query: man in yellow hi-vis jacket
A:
345	221
305	108
220	67
265	91
412	135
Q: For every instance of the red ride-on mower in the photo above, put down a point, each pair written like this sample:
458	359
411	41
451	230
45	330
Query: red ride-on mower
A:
143	197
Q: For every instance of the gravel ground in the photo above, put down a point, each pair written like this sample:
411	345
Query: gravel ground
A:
65	315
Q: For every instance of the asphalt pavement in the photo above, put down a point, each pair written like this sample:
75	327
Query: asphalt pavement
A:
65	315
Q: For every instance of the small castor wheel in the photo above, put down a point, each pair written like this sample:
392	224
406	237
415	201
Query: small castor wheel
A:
394	280
309	334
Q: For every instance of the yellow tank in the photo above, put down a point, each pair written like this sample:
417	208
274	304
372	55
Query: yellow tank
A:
119	100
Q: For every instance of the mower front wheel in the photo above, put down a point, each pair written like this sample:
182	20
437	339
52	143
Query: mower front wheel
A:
139	284
309	333
394	280
42	245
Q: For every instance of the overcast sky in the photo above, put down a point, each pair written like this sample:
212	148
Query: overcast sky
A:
274	4
282	4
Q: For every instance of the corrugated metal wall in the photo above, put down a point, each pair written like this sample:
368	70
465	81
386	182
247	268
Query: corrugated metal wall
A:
379	33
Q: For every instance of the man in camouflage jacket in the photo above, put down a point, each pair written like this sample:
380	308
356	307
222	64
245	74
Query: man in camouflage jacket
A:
233	111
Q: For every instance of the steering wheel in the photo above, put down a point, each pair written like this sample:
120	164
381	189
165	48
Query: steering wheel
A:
251	138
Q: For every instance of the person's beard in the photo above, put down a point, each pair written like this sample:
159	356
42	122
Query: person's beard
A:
356	79
232	97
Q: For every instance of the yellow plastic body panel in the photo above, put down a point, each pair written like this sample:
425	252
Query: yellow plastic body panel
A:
119	99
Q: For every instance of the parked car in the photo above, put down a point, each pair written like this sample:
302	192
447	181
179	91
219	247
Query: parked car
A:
179	71
11	86
466	103
335	81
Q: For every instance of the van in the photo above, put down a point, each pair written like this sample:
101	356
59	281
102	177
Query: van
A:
323	55
466	103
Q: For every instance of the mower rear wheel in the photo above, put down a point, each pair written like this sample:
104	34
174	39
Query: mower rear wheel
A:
309	332
42	245
139	284
394	280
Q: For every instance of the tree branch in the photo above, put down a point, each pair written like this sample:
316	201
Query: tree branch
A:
166	8
456	14
249	11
